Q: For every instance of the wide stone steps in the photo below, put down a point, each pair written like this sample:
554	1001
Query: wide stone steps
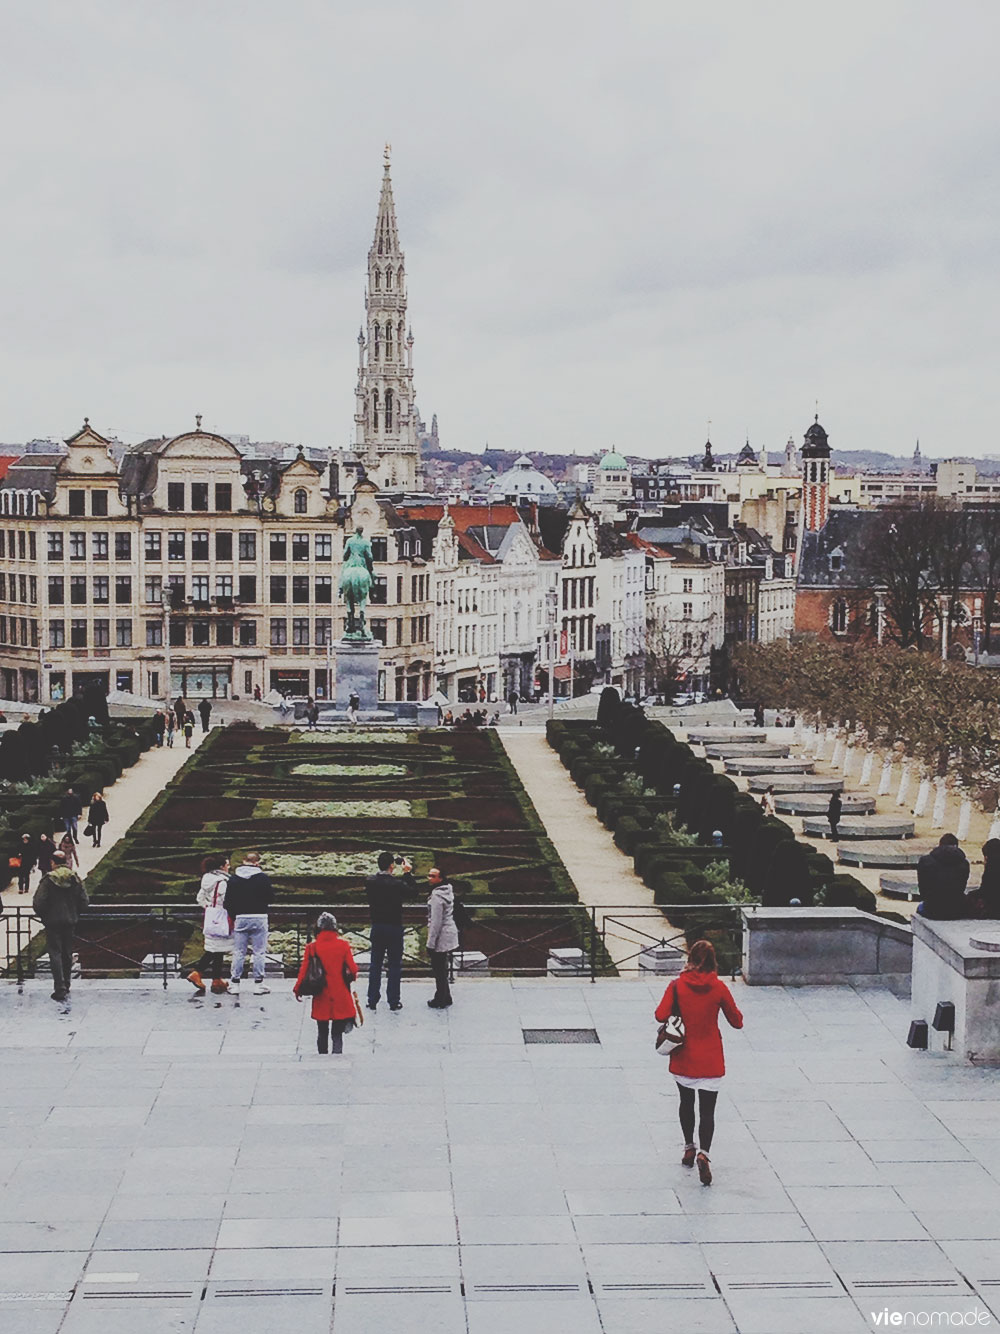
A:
815	803
859	826
747	765
744	736
795	783
880	853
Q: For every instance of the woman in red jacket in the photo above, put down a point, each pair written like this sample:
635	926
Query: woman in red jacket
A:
333	1009
698	1063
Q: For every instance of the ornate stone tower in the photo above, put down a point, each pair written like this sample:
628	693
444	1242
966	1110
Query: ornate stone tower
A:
815	478
385	414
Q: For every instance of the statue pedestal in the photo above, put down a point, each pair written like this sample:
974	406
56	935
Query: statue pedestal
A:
357	670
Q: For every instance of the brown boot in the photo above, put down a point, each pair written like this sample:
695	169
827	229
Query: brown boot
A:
219	986
195	980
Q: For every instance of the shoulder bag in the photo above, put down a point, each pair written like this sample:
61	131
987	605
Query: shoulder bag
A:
314	982
670	1035
216	922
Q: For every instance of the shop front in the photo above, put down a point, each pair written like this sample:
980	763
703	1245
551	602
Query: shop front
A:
203	680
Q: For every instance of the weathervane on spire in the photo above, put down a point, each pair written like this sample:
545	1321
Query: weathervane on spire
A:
387	154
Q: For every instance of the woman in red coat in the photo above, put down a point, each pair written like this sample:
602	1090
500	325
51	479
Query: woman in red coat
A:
333	1009
698	1063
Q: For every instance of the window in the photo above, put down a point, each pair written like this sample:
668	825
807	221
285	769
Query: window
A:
223	497
300	546
300	632
300	588
248	546
399	588
178	634
154	588
688	586
77	504
324	588
378	630
99	546
78	634
99	504
248	634
102	633
199	634
379	590
175	497
78	589
102	590
324	628
224	586
175	591
278	547
175	546
199	496
22	584
123	588
20	544
3	585
123	546
223	546
224	633
123	633
279	632
78	546
248	588
152	543
199	546
278	588
687	610
56	590
323	546
838	617
687	642
199	588
55	546
154	634
301	501
57	634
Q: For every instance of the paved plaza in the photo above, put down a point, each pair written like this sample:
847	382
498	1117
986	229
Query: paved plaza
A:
176	1164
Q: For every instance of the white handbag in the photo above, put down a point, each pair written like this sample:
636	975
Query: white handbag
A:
216	922
670	1035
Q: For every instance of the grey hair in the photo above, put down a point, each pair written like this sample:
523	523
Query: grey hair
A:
326	922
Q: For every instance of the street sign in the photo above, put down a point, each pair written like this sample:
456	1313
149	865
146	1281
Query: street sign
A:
563	643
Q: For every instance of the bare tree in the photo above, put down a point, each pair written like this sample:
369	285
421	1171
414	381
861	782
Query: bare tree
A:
986	564
673	650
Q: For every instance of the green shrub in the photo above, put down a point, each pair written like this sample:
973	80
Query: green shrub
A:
595	788
847	891
626	833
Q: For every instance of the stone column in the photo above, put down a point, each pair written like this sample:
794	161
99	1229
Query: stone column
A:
885	782
867	764
904	784
940	801
964	820
923	795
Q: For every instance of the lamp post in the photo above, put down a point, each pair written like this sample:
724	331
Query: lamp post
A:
166	645
552	608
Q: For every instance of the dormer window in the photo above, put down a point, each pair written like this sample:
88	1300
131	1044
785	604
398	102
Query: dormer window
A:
301	501
836	560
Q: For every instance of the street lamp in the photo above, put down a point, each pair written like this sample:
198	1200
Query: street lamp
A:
552	609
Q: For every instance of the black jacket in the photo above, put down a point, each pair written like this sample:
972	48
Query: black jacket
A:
942	875
70	805
249	892
386	893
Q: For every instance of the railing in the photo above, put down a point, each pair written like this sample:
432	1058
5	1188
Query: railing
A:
509	940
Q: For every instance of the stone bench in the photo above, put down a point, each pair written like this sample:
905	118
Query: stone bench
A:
748	765
815	803
824	946
716	750
903	885
958	963
795	783
859	826
878	853
745	736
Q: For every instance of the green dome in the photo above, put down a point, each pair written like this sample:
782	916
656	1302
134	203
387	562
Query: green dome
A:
612	459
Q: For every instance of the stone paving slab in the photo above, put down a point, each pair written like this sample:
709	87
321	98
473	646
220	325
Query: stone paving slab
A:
432	1178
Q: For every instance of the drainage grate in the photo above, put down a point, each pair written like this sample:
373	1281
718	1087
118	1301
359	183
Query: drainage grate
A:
134	1295
907	1284
700	1289
495	1289
35	1296
243	1293
380	1289
806	1286
559	1035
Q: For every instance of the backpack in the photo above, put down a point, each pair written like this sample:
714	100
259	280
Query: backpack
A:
461	914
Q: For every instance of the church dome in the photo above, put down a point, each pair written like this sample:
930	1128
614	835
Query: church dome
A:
523	482
816	441
613	462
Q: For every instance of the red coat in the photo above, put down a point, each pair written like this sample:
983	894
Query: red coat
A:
700	997
335	1000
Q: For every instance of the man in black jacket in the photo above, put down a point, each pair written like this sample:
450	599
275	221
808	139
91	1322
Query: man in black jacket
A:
58	902
942	875
248	898
386	893
70	810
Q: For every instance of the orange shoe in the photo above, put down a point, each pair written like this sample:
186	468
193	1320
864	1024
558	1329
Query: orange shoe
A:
687	1159
197	983
219	986
704	1169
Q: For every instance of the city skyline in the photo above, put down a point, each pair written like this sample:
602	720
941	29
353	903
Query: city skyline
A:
615	231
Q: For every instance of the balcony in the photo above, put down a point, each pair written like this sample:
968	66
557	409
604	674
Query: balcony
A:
224	606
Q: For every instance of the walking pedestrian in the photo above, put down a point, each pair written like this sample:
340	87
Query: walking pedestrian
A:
333	1008
25	857
698	1063
758	716
284	707
44	853
833	812
312	714
256	694
58	902
97	818
171	728
942	875
159	726
188	729
386	893
70	851
512	701
442	936
986	899
248	898
767	801
180	710
70	810
353	704
216	925
205	709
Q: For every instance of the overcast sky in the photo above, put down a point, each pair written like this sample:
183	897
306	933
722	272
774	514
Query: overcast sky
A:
620	219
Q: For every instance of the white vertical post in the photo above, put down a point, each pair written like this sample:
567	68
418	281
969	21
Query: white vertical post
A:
964	820
850	754
940	800
885	782
867	764
904	784
923	795
995	825
837	758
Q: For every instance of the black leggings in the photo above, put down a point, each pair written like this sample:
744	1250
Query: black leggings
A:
706	1116
331	1028
210	961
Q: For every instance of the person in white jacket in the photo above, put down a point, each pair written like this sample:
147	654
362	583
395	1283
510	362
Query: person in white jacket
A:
442	935
212	897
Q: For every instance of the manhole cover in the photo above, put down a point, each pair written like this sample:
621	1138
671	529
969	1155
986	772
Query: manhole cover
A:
559	1035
